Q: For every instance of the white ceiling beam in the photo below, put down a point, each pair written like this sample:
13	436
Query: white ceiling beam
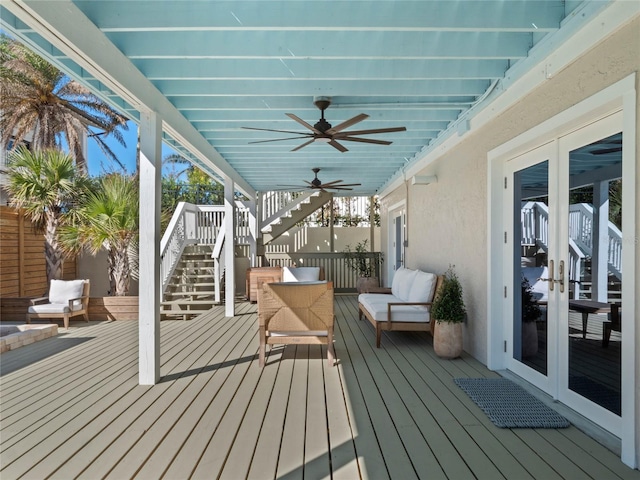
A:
317	44
514	15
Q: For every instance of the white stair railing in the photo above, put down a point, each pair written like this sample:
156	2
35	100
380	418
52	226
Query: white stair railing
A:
581	230
198	224
535	231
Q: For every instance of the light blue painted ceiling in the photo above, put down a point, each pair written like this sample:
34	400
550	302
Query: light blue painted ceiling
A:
225	65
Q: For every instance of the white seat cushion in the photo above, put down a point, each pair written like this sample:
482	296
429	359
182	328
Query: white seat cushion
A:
61	291
300	274
423	287
376	305
56	308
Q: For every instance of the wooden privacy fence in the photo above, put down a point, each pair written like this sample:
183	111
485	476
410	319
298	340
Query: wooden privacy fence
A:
22	265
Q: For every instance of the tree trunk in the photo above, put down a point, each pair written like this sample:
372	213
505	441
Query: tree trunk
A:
119	271
54	258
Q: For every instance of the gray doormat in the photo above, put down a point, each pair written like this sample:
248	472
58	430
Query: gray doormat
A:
508	405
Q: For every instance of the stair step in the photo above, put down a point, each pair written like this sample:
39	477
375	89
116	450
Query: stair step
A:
186	303
198	284
189	295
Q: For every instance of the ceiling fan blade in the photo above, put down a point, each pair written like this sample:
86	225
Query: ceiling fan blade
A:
280	139
373	130
303	145
347	124
272	130
336	188
332	183
337	146
343	185
365	140
303	123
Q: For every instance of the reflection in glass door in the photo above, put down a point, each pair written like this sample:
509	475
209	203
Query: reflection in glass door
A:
530	266
594	273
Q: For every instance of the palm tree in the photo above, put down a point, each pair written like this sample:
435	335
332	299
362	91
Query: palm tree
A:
46	184
108	219
37	97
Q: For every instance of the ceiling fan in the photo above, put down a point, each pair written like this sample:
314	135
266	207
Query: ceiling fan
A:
316	184
323	132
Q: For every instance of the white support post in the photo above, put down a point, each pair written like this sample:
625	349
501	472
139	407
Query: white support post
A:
149	249
331	220
253	232
372	223
229	248
600	242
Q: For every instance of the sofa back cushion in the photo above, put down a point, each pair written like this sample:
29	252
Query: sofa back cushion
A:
422	288
402	281
300	274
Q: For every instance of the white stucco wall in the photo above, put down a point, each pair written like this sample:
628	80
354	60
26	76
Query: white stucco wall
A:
447	221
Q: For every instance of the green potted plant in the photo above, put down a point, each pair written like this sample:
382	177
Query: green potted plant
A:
363	265
448	311
531	312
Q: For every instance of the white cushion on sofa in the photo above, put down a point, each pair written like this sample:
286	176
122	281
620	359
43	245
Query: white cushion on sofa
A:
402	281
376	305
300	274
422	288
61	291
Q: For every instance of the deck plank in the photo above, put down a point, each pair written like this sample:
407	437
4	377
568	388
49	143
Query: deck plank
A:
316	446
344	460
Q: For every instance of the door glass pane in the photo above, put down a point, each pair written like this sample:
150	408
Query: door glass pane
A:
531	228
594	272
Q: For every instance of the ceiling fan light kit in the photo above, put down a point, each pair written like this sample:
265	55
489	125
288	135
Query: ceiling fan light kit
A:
324	132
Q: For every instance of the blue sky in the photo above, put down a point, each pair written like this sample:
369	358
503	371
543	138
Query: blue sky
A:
98	163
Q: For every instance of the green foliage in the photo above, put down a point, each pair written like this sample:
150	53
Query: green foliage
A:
44	183
108	219
360	260
531	311
448	305
39	99
47	186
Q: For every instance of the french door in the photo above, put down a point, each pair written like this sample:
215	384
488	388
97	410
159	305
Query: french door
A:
563	245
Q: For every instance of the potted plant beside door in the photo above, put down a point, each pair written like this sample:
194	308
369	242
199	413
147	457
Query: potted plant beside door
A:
363	265
448	311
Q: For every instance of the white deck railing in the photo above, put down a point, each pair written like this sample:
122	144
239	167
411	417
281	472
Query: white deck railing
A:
535	231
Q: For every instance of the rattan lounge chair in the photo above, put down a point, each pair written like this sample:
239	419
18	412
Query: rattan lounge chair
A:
296	313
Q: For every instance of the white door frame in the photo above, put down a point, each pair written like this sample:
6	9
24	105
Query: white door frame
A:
395	210
621	97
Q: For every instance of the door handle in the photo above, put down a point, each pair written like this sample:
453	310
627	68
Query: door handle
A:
561	274
550	279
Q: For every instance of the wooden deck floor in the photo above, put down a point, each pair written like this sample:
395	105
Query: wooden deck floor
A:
71	408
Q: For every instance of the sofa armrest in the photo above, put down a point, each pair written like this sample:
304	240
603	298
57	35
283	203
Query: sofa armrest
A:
35	301
415	304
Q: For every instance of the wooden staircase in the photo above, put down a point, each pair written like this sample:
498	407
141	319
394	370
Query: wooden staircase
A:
191	289
287	217
194	240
